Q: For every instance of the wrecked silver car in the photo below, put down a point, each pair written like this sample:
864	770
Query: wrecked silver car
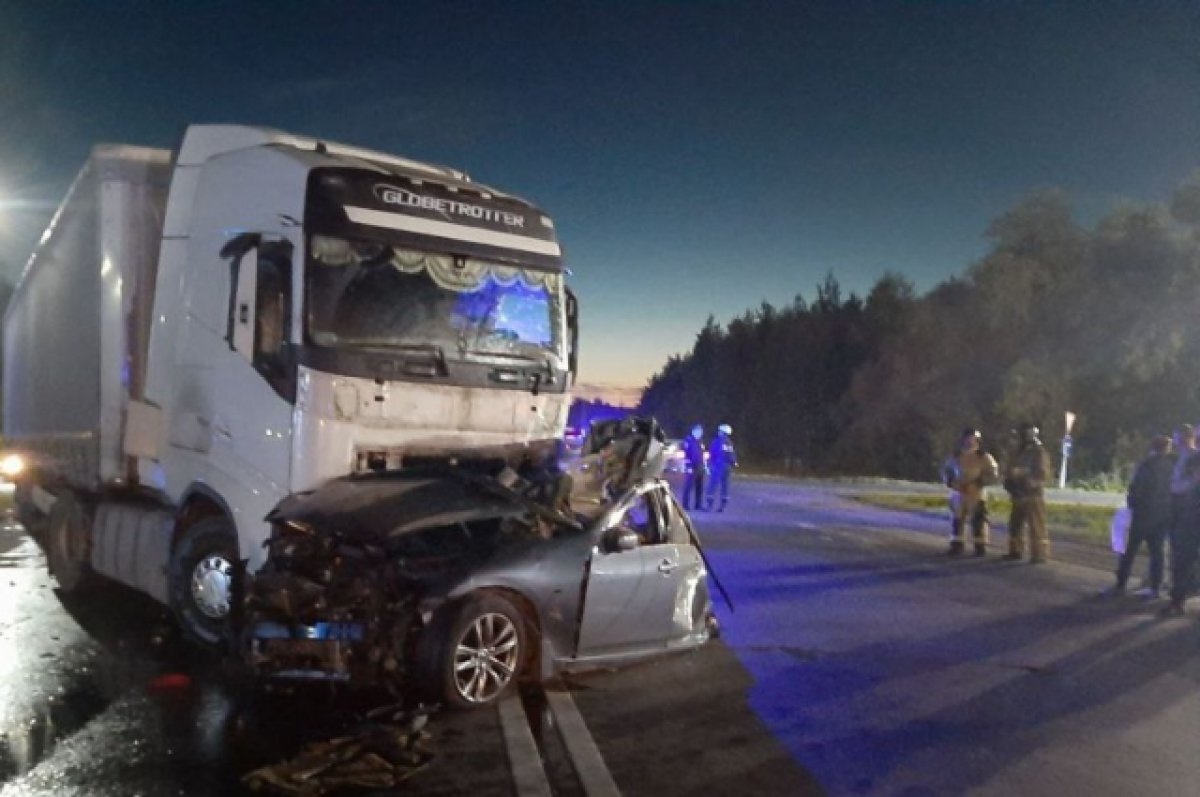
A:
460	582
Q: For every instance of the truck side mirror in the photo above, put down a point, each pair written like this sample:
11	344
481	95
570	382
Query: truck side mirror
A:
243	287
239	245
572	333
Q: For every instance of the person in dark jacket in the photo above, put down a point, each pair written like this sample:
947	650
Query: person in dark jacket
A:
1185	532
1149	502
1185	447
695	469
722	458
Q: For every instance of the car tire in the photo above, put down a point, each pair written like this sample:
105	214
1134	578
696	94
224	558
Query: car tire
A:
68	540
202	567
475	656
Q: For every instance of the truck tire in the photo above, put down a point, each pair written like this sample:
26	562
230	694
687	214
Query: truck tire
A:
35	522
473	656
201	576
68	539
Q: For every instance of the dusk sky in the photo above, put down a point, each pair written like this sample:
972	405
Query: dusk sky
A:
698	158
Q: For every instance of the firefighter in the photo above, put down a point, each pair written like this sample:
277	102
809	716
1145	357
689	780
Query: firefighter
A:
695	469
1025	479
967	473
722	458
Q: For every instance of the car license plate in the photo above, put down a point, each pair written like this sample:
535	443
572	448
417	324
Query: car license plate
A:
336	632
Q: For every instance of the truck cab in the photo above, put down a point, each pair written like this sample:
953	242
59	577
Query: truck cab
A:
315	310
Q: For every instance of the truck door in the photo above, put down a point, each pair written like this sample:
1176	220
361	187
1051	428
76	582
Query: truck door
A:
254	386
231	421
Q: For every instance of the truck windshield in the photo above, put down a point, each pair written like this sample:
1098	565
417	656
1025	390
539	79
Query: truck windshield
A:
370	294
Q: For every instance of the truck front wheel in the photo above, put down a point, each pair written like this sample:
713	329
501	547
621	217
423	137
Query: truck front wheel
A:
202	567
68	544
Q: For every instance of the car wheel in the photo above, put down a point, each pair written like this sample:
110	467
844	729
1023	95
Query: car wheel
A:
202	567
480	652
69	545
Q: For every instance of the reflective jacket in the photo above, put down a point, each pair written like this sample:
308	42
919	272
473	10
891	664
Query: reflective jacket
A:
1026	474
970	471
721	453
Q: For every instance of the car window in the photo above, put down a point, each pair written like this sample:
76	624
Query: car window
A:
642	515
674	520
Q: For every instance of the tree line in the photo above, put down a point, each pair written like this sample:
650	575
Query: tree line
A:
1102	320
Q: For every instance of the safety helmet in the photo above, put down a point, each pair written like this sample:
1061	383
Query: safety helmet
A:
725	429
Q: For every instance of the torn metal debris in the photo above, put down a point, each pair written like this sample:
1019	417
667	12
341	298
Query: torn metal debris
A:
375	757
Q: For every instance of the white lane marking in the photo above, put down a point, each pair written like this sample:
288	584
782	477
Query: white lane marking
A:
529	777
585	757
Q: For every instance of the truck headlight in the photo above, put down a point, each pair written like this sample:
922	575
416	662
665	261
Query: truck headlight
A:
11	466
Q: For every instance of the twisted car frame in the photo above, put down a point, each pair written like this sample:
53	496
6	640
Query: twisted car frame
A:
460	584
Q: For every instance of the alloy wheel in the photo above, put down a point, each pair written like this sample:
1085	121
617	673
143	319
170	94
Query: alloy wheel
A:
486	658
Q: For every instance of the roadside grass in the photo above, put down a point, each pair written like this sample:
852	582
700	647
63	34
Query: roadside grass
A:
1089	523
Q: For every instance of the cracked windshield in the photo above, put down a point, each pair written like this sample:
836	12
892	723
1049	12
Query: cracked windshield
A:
371	295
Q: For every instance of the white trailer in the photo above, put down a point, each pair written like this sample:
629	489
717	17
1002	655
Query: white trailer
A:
201	333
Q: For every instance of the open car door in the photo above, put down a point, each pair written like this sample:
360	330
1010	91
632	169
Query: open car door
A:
631	601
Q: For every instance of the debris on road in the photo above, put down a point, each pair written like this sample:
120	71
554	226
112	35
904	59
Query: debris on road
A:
371	757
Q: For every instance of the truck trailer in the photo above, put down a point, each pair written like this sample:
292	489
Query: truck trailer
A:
203	332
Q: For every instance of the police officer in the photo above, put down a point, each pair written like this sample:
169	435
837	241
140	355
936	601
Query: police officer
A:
695	469
967	472
1025	480
722	458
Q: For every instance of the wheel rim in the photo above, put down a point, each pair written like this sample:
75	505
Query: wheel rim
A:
485	658
212	578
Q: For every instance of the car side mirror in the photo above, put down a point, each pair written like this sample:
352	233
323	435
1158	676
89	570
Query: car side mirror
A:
572	334
620	538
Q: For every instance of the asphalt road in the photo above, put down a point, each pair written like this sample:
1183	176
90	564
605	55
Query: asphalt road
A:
859	660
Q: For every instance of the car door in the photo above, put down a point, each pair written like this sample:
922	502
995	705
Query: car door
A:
624	604
690	578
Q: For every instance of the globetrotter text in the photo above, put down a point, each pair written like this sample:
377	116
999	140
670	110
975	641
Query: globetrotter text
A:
447	207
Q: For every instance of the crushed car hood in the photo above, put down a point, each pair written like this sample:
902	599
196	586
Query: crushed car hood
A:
390	505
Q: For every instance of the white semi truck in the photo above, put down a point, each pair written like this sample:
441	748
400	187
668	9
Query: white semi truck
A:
203	332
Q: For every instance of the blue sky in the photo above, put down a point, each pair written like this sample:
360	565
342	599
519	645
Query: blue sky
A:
698	158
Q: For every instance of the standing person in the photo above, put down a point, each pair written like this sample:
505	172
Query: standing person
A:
695	468
722	458
1025	480
1185	519
968	472
1185	447
1150	503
